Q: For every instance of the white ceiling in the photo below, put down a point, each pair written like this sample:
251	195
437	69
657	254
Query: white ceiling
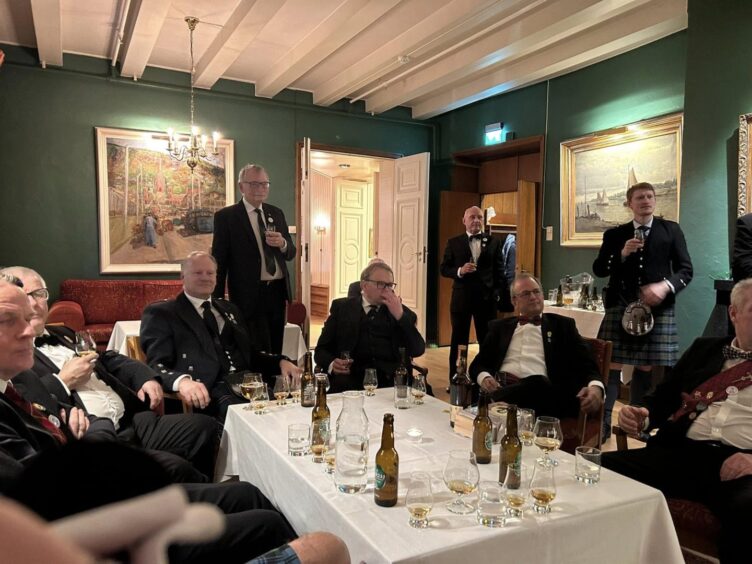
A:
430	55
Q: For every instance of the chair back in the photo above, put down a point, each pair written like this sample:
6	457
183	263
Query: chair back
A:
601	351
133	346
298	315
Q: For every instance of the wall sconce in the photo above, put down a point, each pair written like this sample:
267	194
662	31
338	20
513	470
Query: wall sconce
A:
320	223
493	133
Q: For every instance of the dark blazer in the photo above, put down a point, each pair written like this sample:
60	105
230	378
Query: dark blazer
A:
741	262
238	259
342	332
569	363
176	342
488	282
664	257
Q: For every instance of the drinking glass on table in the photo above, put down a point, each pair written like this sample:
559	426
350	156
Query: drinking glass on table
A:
281	389
85	344
418	389
295	388
543	487
324	378
330	454
419	499
260	400
525	424
297	439
461	477
516	488
587	465
320	436
492	504
548	437
370	382
249	387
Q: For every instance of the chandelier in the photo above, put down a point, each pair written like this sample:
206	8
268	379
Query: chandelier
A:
193	148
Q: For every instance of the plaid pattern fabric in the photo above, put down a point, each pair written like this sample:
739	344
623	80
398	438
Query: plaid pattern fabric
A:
282	555
660	347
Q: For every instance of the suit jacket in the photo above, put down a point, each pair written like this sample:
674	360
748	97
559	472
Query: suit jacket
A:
342	332
569	363
238	259
488	282
741	263
664	257
176	342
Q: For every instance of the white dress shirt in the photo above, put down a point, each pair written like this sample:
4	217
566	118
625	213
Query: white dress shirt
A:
475	249
254	218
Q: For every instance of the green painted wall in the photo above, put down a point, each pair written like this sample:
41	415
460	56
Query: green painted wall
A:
48	190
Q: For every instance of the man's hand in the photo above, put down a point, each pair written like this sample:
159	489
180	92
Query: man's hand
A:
341	366
289	370
654	293
394	304
736	466
193	392
467	268
275	239
631	246
77	371
632	419
78	423
489	384
153	389
591	398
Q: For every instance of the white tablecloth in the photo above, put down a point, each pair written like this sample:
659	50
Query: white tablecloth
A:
293	344
588	322
617	521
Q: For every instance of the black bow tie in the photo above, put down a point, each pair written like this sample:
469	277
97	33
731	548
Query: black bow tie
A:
730	353
477	236
45	340
524	320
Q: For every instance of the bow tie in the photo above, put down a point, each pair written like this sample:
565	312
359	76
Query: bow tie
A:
477	236
46	340
524	320
730	353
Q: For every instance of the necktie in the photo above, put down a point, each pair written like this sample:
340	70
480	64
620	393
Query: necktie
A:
730	353
45	340
271	266
524	320
372	310
28	407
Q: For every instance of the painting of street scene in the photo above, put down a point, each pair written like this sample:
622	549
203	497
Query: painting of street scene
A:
598	172
153	210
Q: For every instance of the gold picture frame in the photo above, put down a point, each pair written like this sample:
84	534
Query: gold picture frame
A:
597	169
153	210
745	165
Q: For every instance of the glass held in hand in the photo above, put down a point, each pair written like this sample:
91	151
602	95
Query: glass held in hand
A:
548	437
419	499
461	477
370	382
543	487
85	344
281	389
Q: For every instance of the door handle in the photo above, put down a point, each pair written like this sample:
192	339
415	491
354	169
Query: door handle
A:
425	254
305	249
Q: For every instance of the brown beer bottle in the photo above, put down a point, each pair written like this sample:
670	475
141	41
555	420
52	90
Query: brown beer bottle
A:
387	466
308	383
320	410
482	432
510	451
460	387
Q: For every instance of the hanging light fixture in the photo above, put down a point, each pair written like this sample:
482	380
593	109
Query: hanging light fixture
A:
194	148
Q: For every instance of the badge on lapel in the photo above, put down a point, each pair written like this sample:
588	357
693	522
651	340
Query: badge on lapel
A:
483	242
548	336
269	219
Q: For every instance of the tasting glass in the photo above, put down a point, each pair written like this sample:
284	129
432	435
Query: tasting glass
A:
548	437
260	400
543	487
419	499
85	344
370	382
249	386
323	377
330	454
295	388
516	488
525	424
281	389
418	389
320	436
461	477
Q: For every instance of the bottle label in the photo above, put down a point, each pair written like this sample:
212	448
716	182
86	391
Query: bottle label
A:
309	393
489	440
380	478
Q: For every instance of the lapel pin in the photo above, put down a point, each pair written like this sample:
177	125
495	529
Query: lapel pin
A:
548	334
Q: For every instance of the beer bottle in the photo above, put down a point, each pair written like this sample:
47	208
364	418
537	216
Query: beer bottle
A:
387	466
482	432
584	296
510	451
308	383
320	410
560	297
460	387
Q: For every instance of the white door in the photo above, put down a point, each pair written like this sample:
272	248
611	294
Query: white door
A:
353	226
411	232
304	229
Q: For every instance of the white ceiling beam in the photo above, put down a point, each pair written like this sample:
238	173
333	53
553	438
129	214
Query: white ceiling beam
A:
145	22
554	22
444	28
614	38
48	27
350	18
241	28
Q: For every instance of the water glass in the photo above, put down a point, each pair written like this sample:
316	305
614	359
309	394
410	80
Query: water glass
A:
297	439
587	465
419	499
492	504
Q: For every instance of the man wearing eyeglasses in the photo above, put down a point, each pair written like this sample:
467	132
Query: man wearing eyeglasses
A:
371	328
252	244
540	359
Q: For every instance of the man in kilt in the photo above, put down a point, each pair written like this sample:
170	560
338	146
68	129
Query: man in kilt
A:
646	258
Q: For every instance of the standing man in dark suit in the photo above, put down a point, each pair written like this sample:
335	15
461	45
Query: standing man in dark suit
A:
741	262
646	258
252	244
371	327
476	264
195	341
548	364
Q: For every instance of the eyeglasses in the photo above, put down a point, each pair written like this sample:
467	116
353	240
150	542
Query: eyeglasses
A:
527	293
381	285
255	184
39	294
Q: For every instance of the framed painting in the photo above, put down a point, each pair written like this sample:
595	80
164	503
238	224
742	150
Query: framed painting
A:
745	163
597	169
153	210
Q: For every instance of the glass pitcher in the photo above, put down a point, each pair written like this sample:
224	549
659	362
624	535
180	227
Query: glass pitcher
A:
350	469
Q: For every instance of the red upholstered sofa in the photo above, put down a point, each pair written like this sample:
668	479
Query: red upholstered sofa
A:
95	305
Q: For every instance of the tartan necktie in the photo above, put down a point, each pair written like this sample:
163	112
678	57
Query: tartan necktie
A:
29	409
271	266
730	353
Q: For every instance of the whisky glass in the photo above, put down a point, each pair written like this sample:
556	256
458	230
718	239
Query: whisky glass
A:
281	389
419	499
548	437
260	400
418	389
516	488
543	487
461	477
249	386
85	344
370	382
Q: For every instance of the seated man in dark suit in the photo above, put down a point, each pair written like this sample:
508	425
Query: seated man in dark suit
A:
114	387
543	354
703	413
372	328
84	475
195	341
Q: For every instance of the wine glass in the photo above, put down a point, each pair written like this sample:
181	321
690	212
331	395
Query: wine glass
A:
461	477
418	389
323	377
85	344
370	382
543	487
281	389
419	499
548	437
516	488
260	399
